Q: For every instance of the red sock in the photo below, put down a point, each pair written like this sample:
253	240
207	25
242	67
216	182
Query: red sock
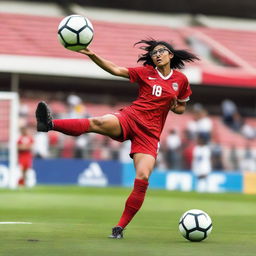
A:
134	202
73	127
21	182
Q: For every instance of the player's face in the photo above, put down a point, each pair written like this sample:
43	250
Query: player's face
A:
161	55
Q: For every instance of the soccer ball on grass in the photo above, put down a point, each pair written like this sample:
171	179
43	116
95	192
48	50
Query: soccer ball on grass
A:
195	225
75	32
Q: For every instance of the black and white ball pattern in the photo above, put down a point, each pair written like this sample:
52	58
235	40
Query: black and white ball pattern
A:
195	225
75	32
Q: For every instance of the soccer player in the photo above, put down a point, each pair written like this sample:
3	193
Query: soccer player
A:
25	155
161	88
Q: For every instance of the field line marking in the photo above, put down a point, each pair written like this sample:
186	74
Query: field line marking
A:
17	222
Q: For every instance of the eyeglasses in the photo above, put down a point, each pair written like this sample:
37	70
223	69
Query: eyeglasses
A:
160	51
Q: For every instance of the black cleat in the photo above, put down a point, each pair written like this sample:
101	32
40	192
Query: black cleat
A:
43	117
117	232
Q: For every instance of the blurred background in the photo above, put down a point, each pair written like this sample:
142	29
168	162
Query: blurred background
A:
215	140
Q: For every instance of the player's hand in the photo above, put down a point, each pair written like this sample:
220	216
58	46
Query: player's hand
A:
174	103
86	51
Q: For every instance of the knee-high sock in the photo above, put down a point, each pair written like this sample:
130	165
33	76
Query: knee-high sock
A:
134	202
73	127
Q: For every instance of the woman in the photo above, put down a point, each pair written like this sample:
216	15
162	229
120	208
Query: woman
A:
161	88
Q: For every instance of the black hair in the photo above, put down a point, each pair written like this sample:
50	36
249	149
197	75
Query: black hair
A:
179	56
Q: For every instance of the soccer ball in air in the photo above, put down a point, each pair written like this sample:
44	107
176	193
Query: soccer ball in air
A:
195	225
75	32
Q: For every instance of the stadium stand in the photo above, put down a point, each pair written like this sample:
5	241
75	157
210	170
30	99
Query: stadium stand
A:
230	39
27	30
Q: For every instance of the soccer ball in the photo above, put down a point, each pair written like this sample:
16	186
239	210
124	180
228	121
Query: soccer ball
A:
195	225
75	32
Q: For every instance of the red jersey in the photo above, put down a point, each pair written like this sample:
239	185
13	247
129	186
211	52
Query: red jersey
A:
156	92
28	141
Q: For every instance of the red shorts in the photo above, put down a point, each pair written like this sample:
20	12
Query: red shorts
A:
25	162
141	141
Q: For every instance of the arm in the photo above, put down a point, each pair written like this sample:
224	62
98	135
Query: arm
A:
105	64
178	107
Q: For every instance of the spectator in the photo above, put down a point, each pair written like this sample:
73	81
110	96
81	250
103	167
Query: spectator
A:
229	108
23	115
161	163
204	125
237	122
41	145
173	150
201	164
248	162
187	147
75	107
125	151
81	145
216	152
192	125
233	159
248	132
55	146
231	116
114	147
106	152
201	123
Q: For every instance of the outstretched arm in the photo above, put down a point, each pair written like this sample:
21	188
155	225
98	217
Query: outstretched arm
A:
105	64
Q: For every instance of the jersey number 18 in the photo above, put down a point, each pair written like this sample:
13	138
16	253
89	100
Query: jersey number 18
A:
157	90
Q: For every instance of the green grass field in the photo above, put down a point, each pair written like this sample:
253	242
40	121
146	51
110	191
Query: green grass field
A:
76	221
